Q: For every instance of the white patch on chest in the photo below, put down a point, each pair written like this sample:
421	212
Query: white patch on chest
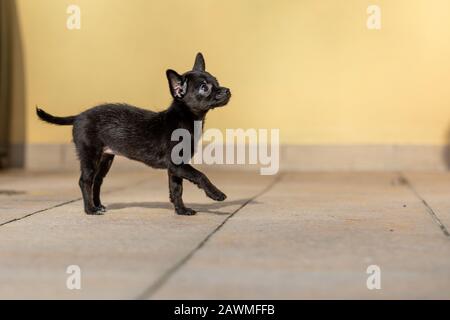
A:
108	150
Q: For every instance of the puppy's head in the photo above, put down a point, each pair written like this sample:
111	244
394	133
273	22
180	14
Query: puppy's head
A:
198	89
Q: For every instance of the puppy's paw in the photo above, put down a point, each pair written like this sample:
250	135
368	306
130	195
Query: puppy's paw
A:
185	211
95	211
216	194
101	208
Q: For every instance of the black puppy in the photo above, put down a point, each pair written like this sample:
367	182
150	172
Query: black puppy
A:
101	132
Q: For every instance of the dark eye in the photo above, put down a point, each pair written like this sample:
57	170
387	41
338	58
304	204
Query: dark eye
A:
204	88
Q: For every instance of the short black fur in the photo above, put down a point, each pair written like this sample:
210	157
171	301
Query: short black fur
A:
107	130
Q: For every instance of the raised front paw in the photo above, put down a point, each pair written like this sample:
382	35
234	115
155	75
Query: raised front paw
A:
216	194
185	211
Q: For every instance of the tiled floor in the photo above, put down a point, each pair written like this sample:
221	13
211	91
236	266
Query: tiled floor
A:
296	235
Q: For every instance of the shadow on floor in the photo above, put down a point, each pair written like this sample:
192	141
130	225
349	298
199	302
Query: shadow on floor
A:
202	207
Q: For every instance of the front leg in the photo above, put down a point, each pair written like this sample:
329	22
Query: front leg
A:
187	172
176	193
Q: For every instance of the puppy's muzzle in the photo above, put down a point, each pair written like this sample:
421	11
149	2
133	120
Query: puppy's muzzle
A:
224	93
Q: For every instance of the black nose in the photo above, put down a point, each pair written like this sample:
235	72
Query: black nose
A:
225	92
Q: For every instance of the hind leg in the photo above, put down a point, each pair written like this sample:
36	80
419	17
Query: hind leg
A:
89	161
102	170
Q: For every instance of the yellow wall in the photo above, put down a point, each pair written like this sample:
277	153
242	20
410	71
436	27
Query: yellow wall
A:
308	67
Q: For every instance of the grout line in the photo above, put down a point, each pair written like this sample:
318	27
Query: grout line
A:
63	204
407	183
153	288
39	211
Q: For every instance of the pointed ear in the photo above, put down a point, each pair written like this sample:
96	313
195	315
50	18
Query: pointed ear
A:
199	64
177	85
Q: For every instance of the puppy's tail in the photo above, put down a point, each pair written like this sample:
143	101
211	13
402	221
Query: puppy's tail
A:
62	121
